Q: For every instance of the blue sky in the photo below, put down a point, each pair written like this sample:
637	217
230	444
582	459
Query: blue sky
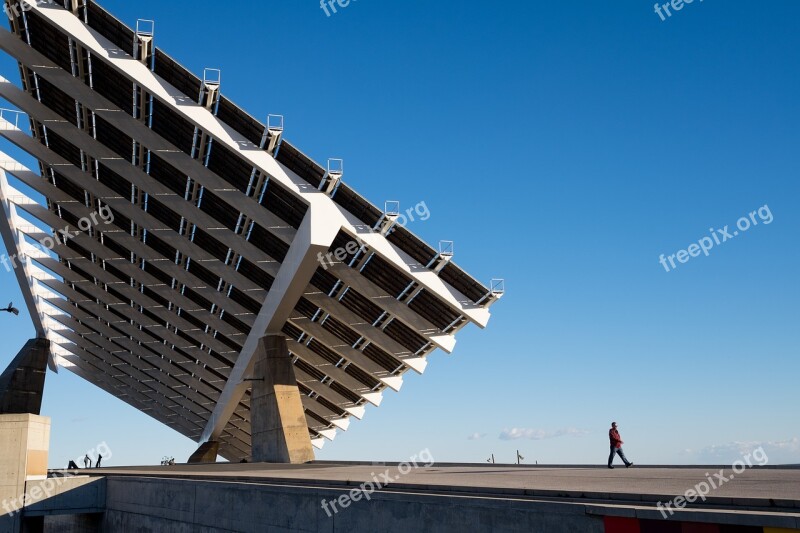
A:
563	146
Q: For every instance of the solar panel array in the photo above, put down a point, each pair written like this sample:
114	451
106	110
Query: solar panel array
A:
156	306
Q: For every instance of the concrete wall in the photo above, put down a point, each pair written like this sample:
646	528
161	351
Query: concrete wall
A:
24	444
66	495
82	523
138	504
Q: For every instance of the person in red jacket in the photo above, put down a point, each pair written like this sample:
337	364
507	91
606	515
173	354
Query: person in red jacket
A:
616	446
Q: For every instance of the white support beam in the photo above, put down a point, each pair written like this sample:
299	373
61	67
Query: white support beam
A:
193	373
136	129
112	199
14	245
340	347
107	299
127	124
314	236
162	393
120	389
374	335
136	176
323	390
129	337
387	302
103	50
339	375
165	364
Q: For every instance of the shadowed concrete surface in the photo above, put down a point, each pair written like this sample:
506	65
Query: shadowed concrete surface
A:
457	498
278	424
24	441
637	483
22	383
206	453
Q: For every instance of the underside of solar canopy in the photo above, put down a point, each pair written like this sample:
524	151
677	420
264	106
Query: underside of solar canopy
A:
210	234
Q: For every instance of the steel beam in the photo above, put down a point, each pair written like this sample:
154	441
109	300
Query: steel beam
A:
103	50
12	239
313	237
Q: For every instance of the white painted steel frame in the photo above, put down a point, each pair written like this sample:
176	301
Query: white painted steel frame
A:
292	277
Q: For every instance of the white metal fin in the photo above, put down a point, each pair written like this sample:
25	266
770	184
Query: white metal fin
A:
341	423
417	364
393	382
358	411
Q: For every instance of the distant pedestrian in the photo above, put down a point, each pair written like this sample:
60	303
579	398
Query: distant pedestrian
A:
616	447
99	458
87	462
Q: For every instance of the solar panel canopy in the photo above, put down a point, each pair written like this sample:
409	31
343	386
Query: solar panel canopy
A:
166	230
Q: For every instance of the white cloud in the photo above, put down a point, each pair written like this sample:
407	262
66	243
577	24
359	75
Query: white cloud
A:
476	436
540	434
779	452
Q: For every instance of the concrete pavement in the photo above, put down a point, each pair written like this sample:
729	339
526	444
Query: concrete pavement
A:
754	487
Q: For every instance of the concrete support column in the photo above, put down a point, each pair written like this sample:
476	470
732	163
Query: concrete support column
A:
22	383
24	446
279	427
206	453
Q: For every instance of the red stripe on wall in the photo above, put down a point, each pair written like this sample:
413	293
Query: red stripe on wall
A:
616	524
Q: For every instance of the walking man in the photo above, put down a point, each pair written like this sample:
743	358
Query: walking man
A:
616	447
99	458
87	462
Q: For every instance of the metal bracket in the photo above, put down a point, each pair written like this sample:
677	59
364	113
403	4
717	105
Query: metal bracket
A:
334	175
446	252
209	91
143	41
497	288
391	212
273	133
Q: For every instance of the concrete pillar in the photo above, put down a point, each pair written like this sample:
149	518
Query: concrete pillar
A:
278	423
206	453
24	445
22	383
